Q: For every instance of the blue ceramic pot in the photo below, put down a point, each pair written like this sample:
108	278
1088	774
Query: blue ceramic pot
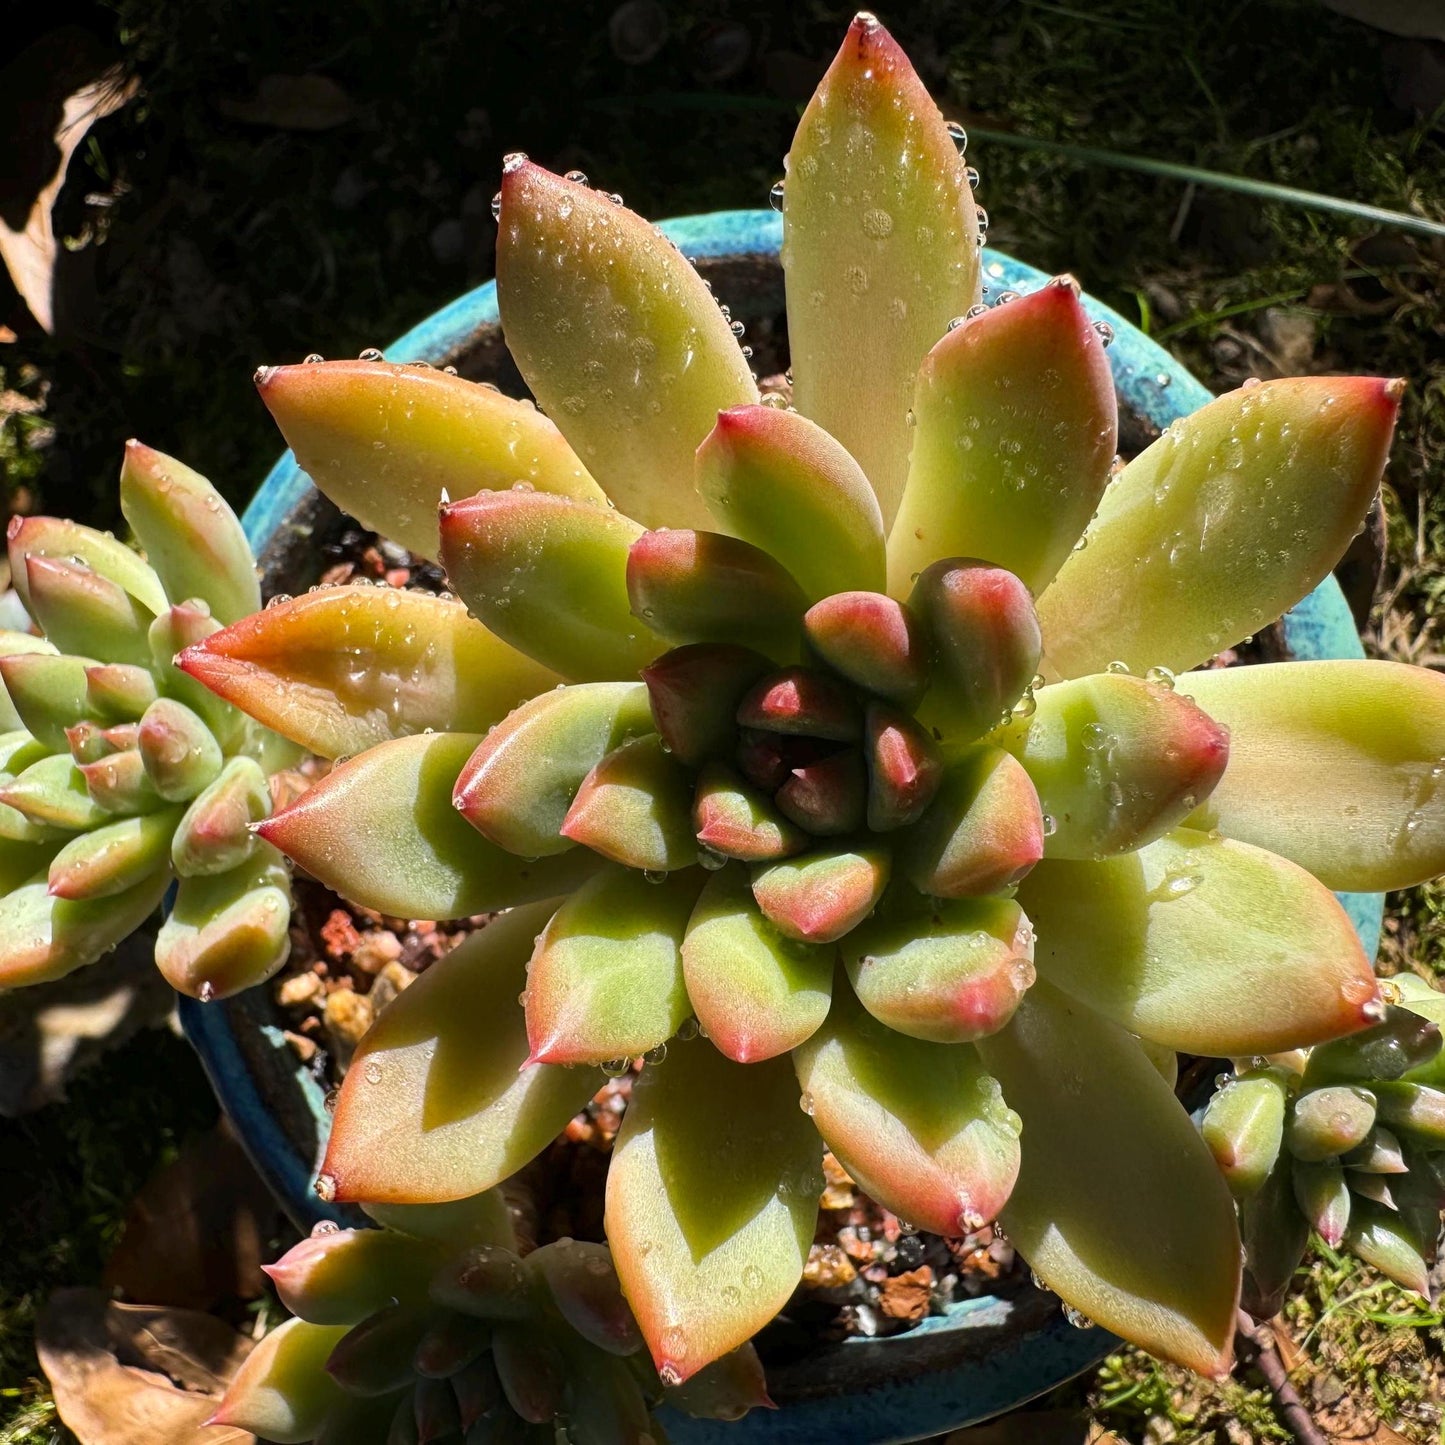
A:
986	1355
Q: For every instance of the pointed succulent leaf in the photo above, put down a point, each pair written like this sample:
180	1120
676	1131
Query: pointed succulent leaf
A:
18	751
1378	1153
23	861
921	1126
1401	1042
282	1391
449	1344
1382	1240
79	609
706	587
52	793
344	668
113	858
439	1101
635	807
1338	765
983	831
779	481
803	701
880	249
485	1282
1190	551
947	970
904	768
617	337
119	784
517	786
214	835
1275	1233
549	576
1117	761
756	992
712	1196
374	1356
726	1389
1323	1197
1150	1253
176	632
88	743
532	1372
43	937
1415	1111
12	643
873	641
191	537
1327	1122
605	981
819	896
47	693
1244	1127
227	932
387	443
695	691
435	865
985	639
584	1286
85	547
179	751
613	1409
737	821
827	796
118	691
343	1277
1204	944
483	1218
1015	433
479	1393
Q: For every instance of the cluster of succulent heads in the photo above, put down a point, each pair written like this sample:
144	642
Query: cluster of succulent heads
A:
850	754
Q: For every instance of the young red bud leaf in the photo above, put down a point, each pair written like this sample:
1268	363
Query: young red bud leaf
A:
822	895
737	821
1380	1152
904	768
873	641
1323	1197
487	1282
450	1343
120	785
584	1286
706	587
827	797
374	1357
805	701
532	1372
1275	1234
695	691
726	1389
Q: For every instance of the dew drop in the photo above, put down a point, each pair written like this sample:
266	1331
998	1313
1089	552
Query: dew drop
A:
372	353
775	196
1118	667
656	1054
1160	677
616	1068
373	1072
1077	1318
576	177
655	875
687	1029
1105	331
958	135
1050	826
970	174
805	1103
325	1188
512	161
752	1278
314	358
323	1227
207	992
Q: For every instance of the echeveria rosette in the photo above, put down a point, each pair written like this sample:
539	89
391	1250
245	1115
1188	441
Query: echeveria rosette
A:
434	1327
759	741
1346	1139
120	775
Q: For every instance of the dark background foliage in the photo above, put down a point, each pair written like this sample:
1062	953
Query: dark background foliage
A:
231	215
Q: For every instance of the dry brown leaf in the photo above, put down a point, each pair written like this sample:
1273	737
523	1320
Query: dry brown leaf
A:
293	102
114	1370
197	1232
50	96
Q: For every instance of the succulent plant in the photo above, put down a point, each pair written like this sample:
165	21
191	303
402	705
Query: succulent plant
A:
831	754
1346	1139
433	1328
119	773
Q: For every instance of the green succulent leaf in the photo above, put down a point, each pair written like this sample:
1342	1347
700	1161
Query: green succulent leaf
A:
712	1196
440	1101
113	858
119	692
517	786
605	981
84	547
344	668
180	753
174	633
819	896
52	794
734	820
282	1391
78	608
1244	1127
11	644
482	1218
1323	1197
1381	1239
880	250
1380	1152
1401	1043
983	831
214	835
1330	1121
389	443
435	865
922	1127
1151	1253
1206	945
1338	765
1117	761
227	932
549	576
1414	1111
192	539
706	587
756	992
346	1276
1016	427
635	807
1191	551
724	1390
1275	1233
617	337
47	693
779	481
119	784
